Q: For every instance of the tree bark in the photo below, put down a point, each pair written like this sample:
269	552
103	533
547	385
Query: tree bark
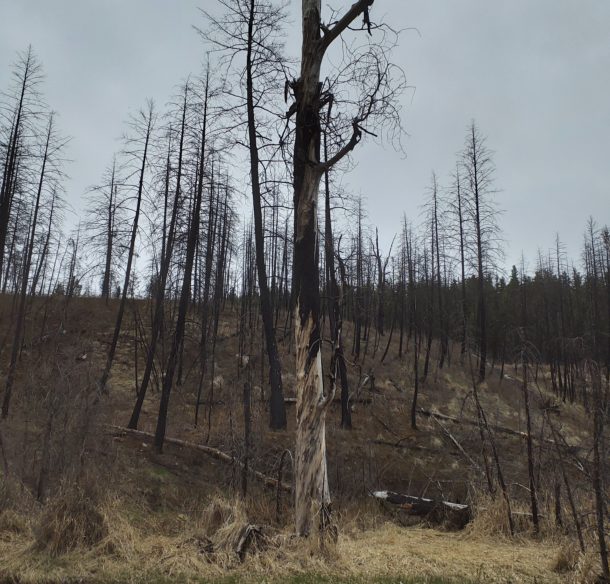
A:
166	256
185	294
312	494
276	404
132	245
10	377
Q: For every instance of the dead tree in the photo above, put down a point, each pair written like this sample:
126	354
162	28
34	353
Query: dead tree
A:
441	308
263	19
525	356
143	125
168	236
478	168
23	115
311	478
106	227
457	207
250	30
212	223
382	269
411	256
335	303
185	294
600	413
48	174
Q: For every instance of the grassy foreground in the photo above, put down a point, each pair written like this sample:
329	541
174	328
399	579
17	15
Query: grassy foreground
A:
386	554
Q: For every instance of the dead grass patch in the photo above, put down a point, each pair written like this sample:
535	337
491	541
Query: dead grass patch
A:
71	519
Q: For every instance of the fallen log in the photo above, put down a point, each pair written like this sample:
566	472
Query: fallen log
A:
433	510
456	443
337	400
213	452
500	429
400	443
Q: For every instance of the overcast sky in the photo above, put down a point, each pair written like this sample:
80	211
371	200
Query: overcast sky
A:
534	75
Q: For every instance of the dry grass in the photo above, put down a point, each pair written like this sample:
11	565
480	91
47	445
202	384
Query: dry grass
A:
386	553
175	517
567	559
70	520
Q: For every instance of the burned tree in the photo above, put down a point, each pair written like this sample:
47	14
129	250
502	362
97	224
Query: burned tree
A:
185	293
106	228
478	166
338	366
167	249
376	103
21	114
251	30
143	126
48	177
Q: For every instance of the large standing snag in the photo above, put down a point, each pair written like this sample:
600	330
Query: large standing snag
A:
312	493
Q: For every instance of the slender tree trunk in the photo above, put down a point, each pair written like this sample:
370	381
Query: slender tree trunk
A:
599	415
109	238
185	294
130	254
482	307
441	313
166	257
335	308
45	248
10	377
276	406
213	215
462	269
530	450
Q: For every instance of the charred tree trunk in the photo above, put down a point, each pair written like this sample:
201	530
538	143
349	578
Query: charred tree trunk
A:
530	449
132	244
276	405
312	494
599	416
441	313
166	257
462	267
185	294
10	376
109	238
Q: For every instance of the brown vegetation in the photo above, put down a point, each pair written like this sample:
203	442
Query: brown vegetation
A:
115	509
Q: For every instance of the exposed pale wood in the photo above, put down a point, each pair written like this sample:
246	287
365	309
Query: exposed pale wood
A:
248	535
436	510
